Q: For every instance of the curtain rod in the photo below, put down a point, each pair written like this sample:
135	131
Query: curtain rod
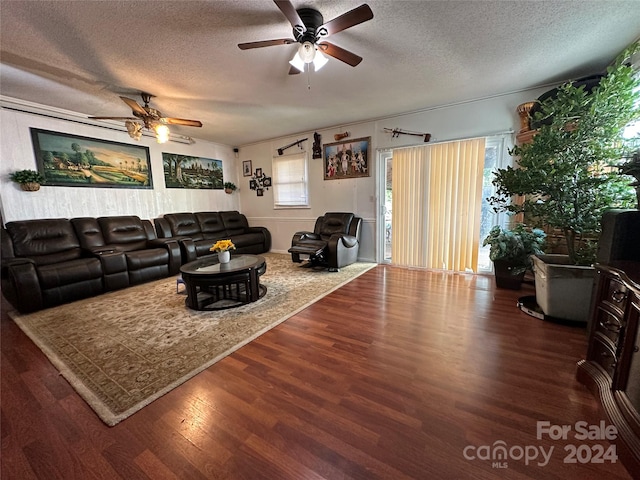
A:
493	134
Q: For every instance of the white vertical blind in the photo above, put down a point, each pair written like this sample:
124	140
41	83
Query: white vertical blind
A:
437	196
290	183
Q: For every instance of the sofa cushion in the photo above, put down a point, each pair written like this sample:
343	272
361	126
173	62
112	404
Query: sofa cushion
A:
147	258
80	270
247	239
44	241
125	232
211	225
335	223
89	232
235	223
183	224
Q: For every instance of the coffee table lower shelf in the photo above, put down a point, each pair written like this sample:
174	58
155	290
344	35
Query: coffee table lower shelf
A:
222	297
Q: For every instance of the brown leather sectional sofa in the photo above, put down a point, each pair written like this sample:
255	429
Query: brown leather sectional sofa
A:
49	262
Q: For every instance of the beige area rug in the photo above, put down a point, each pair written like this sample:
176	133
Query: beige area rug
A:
124	349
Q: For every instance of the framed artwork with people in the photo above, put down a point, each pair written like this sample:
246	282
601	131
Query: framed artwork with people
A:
347	159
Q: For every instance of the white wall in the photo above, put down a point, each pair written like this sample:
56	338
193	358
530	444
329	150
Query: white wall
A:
464	120
16	153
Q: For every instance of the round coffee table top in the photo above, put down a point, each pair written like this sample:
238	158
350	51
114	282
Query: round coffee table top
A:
209	265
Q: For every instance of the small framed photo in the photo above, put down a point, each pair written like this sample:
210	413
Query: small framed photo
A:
246	168
258	172
259	192
266	182
252	184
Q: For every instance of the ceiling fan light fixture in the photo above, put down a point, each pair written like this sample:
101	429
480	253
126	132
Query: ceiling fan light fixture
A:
297	62
162	133
308	53
319	61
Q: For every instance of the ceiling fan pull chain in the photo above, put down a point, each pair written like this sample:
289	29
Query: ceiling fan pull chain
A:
309	77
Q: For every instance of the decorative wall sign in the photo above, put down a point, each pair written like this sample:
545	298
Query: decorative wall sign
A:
348	159
74	161
246	168
259	182
183	171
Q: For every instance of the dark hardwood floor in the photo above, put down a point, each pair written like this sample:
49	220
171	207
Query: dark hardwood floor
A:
396	375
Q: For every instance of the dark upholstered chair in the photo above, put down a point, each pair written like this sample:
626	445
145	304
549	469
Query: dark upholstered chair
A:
44	265
334	242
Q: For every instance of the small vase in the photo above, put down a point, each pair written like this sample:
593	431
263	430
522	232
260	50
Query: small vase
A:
224	257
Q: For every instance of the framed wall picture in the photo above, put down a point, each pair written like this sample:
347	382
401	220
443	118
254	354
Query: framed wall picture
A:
246	168
259	192
183	171
74	161
347	159
258	172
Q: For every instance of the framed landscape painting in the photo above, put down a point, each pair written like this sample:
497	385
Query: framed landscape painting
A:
347	159
183	171
75	161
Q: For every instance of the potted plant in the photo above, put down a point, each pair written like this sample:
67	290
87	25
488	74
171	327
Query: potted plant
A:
229	187
511	251
564	179
222	248
29	180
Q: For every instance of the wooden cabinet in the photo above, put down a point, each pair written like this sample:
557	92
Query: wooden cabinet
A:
612	367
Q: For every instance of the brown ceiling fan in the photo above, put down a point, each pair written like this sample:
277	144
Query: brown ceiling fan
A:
150	118
310	30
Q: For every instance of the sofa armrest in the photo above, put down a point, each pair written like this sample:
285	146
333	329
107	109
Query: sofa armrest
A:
172	245
304	236
265	232
25	286
348	241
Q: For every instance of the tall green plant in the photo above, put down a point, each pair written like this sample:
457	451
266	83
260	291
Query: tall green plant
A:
565	174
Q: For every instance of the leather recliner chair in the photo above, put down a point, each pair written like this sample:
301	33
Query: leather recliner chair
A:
334	242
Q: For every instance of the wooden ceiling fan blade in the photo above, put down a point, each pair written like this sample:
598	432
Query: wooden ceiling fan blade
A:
181	121
340	53
353	17
266	43
134	105
113	118
289	11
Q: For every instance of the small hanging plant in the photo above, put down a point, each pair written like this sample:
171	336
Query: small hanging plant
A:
229	187
29	180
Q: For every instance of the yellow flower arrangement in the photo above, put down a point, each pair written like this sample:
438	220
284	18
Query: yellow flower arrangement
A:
222	246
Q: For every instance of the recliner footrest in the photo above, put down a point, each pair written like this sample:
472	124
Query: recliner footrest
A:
311	250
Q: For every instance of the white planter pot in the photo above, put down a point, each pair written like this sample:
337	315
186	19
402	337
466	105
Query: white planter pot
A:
563	290
224	257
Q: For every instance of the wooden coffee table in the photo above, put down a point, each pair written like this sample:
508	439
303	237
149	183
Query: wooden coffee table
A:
212	285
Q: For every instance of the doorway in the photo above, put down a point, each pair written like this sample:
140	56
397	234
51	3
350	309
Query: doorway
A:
385	174
496	156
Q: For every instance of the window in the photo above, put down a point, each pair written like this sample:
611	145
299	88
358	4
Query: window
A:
496	156
290	183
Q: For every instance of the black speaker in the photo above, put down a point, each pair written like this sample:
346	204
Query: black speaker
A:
620	237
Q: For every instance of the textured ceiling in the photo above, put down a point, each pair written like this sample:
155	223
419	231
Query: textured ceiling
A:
81	55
